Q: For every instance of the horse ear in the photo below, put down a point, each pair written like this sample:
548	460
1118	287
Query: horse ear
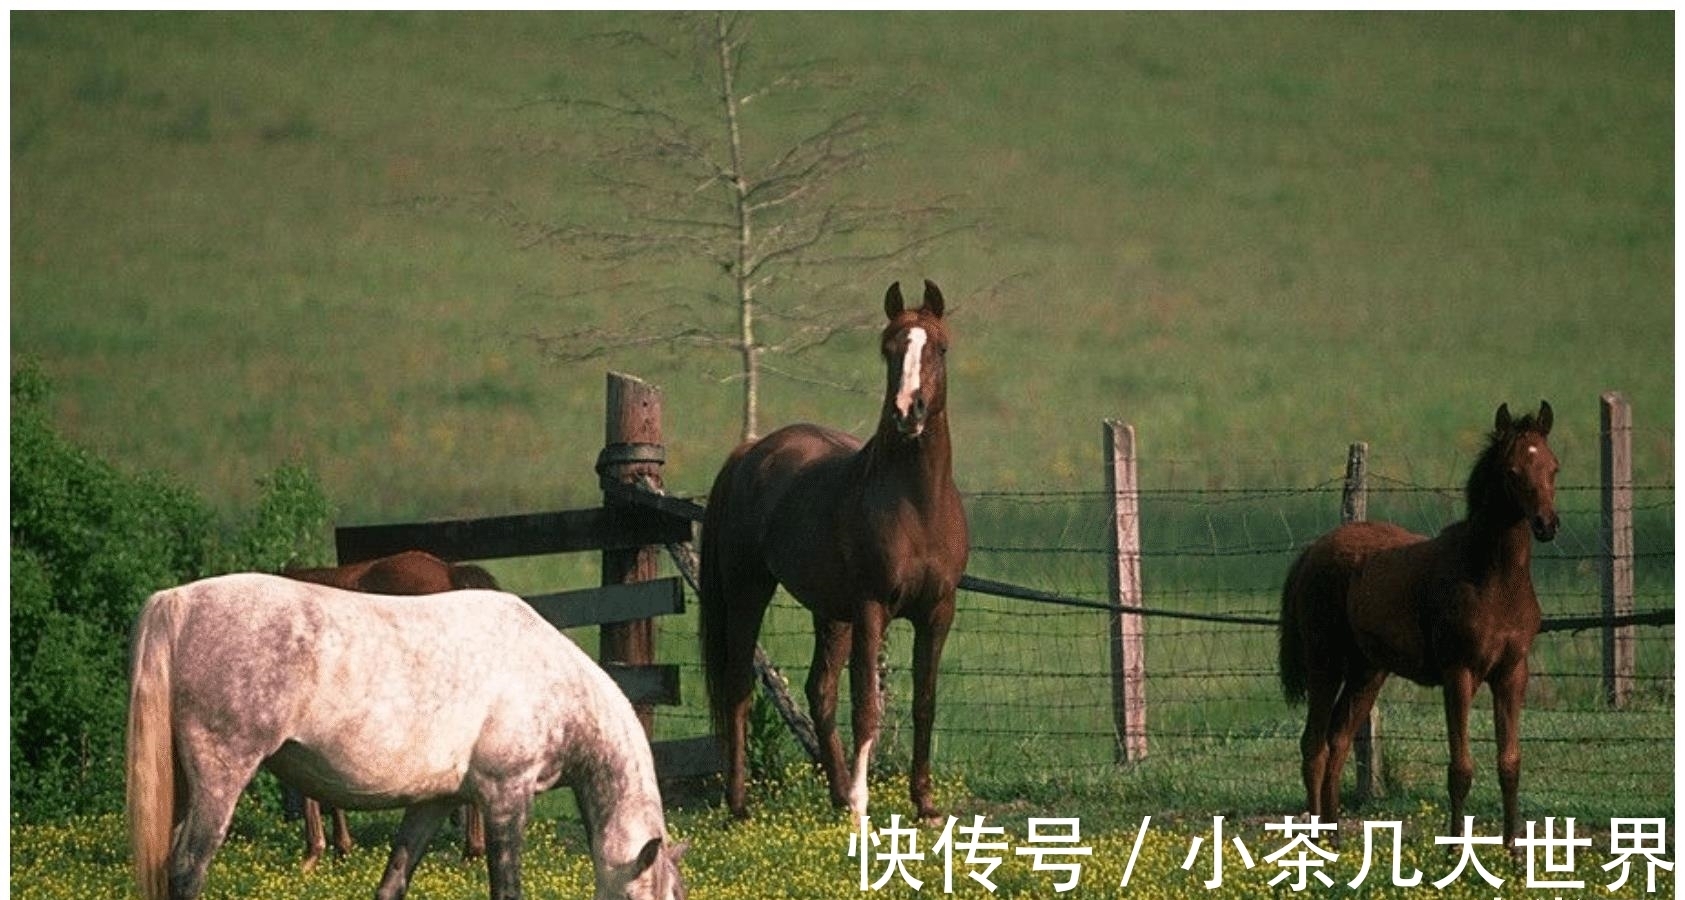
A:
1502	422
648	855
892	301
678	851
932	298
1545	418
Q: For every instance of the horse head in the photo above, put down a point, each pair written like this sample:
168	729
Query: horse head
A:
654	875
915	348
1529	467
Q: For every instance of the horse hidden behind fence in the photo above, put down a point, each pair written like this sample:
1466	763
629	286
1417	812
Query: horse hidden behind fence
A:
1369	599
230	674
412	572
859	534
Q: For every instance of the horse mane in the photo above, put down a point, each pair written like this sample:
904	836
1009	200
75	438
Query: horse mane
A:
465	575
1486	480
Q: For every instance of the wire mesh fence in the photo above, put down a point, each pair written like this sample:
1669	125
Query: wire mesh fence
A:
1026	688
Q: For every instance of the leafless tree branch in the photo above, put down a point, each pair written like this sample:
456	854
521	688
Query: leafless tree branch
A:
774	225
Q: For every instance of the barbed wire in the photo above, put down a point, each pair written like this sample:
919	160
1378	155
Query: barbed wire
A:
1329	486
1036	709
1222	552
677	506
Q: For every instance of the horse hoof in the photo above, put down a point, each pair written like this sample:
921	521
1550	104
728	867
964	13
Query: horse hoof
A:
930	815
308	864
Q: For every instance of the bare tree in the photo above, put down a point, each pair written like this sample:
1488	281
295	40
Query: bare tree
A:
764	199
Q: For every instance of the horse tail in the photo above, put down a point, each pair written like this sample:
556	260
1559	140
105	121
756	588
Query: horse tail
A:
1290	658
150	763
714	627
465	577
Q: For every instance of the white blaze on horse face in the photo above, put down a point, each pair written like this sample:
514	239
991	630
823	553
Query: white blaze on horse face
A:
911	363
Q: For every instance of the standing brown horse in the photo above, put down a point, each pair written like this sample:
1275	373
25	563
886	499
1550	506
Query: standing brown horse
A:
859	535
409	573
1370	598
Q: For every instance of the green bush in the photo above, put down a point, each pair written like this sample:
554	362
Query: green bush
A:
770	750
90	542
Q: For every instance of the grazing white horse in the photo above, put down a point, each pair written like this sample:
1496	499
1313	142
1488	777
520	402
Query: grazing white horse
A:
375	702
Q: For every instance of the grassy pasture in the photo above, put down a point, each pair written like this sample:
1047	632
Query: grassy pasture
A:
797	848
239	240
244	240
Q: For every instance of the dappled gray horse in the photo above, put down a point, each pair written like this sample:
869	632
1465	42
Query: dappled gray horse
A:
376	702
411	572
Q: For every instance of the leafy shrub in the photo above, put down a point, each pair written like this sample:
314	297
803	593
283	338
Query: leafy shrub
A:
90	543
288	527
770	749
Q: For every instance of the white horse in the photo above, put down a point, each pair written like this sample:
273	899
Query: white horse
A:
375	702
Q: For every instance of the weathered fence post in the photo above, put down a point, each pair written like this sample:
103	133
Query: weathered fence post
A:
1366	742
1617	546
1354	498
632	452
1129	669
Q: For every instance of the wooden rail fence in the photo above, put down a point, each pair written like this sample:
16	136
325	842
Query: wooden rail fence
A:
630	538
636	520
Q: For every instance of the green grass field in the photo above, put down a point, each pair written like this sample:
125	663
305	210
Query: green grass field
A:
797	848
1256	237
242	240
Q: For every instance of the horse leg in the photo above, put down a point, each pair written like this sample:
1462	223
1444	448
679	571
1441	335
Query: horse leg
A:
341	833
1357	698
414	831
473	832
315	842
928	638
736	682
1459	772
1322	689
210	792
506	822
863	691
831	642
1509	687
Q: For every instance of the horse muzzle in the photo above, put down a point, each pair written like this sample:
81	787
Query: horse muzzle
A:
1545	526
910	424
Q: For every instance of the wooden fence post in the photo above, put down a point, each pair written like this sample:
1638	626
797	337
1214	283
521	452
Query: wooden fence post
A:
1129	669
632	452
1616	468
1366	742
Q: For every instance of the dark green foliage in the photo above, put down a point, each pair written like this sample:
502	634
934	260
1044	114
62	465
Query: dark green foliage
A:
90	542
771	750
287	528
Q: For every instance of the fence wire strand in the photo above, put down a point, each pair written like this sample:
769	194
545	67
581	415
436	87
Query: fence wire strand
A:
1026	689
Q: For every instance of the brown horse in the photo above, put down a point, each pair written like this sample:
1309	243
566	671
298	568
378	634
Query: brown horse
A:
857	534
1370	598
409	573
